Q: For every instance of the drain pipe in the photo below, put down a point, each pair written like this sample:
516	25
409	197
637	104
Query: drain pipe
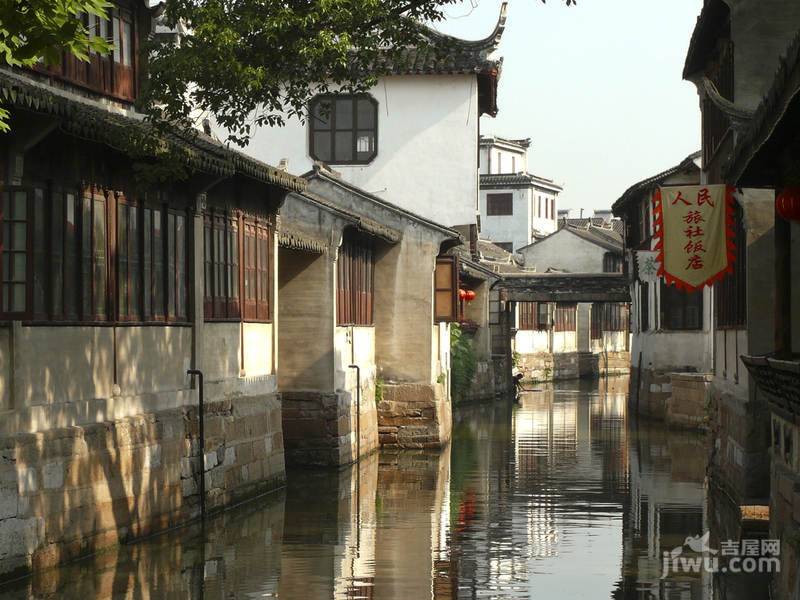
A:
201	435
358	411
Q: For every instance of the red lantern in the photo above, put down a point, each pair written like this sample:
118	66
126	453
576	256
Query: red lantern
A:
787	204
470	295
462	294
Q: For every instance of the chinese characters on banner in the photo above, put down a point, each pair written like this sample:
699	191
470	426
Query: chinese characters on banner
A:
694	231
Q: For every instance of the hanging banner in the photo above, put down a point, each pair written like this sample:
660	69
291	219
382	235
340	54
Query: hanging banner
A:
647	265
694	232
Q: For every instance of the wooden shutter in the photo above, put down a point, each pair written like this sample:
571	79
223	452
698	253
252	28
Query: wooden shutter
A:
445	306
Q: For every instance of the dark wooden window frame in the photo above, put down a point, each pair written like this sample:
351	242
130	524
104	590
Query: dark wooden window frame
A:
314	127
672	298
565	317
241	286
730	294
450	291
114	74
532	317
68	298
500	205
612	262
644	306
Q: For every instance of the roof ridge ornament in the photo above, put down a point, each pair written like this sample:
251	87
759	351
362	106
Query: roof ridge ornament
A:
739	116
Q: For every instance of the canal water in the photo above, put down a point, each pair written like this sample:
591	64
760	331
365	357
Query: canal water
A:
563	495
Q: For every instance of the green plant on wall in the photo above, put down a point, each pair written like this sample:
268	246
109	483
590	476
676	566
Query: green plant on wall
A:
516	359
378	389
462	362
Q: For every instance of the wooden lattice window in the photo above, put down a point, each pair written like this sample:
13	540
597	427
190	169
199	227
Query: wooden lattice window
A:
534	316
730	294
565	316
344	129
499	205
680	311
446	289
355	275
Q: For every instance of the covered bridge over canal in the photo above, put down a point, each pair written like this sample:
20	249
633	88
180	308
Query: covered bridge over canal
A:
562	325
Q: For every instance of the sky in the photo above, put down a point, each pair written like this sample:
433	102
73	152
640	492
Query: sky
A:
597	87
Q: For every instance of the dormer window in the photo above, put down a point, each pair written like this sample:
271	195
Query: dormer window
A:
344	129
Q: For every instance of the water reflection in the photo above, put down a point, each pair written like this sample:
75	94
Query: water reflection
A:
561	496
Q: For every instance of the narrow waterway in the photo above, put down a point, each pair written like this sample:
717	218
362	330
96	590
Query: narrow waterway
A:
561	496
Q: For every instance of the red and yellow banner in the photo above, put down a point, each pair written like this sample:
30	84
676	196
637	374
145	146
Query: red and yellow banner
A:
694	232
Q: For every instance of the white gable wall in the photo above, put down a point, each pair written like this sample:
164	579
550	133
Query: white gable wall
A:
427	160
565	250
515	228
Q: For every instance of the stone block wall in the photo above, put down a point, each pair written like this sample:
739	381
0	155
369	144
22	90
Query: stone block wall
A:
545	366
414	415
739	428
687	406
320	429
69	492
653	389
614	363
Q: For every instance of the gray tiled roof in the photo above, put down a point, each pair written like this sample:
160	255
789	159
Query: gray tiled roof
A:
637	189
93	121
516	180
445	54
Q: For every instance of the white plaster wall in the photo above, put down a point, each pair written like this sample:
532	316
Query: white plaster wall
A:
440	367
530	342
427	160
513	228
538	220
495	160
55	365
611	341
152	359
222	345
258	349
565	341
353	346
564	250
669	350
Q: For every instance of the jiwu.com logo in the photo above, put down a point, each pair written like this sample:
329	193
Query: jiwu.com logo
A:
733	556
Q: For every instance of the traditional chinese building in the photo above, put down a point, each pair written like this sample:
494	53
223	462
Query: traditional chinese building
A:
767	156
363	293
732	57
126	263
671	351
516	207
565	340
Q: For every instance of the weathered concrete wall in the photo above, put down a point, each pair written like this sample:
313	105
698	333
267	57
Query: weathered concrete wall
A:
307	315
404	311
68	492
